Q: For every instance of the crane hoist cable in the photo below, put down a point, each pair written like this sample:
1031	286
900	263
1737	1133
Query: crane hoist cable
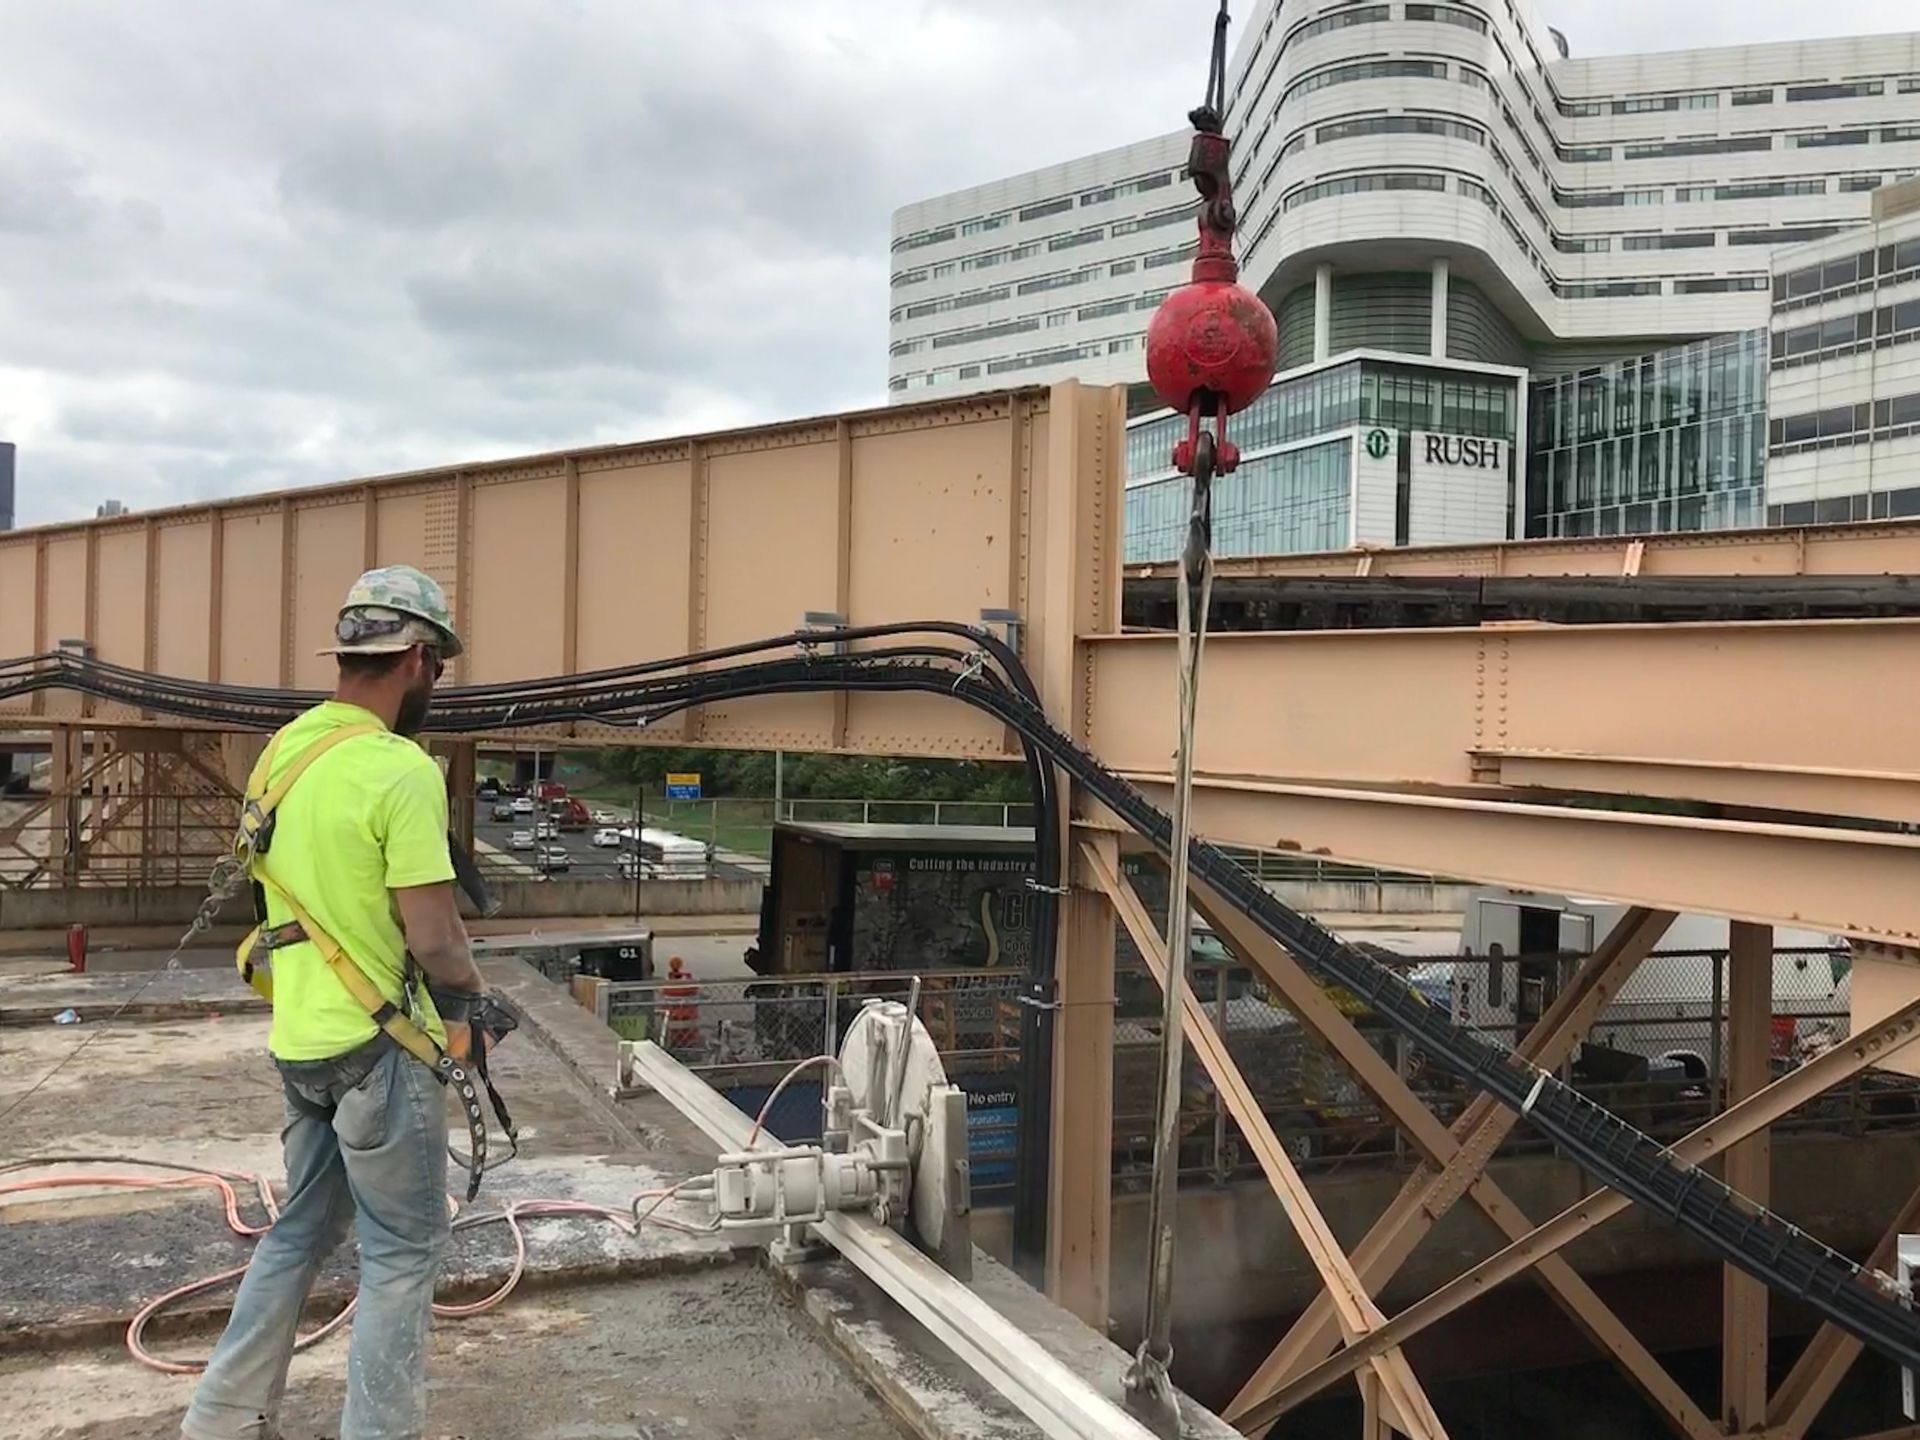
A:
1211	349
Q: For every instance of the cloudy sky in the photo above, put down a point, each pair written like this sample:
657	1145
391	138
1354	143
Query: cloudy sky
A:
247	244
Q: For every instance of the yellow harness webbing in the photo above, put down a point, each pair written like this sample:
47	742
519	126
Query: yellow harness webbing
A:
256	814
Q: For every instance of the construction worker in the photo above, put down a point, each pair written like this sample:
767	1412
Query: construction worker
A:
359	845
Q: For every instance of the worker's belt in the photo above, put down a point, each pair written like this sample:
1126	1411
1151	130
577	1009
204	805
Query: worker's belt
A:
251	957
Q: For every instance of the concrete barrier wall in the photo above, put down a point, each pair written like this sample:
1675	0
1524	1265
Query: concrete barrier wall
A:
529	899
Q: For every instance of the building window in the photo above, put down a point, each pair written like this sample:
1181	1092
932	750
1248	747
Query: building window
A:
1650	196
1366	70
1892	134
1782	237
1696	240
1155	221
1761	96
1758	189
1851	184
1852	90
1610	289
1582	244
1046	208
1448	15
1327	24
1725	145
1291	502
1079	237
1719	284
1120	346
1582	154
1646	104
1828	138
925	237
1169	257
1357	184
1398	125
1058	281
1121	267
980	227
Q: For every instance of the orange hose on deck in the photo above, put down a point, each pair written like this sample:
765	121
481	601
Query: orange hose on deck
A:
628	1222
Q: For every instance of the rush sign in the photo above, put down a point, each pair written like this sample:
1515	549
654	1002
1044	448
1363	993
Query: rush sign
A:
1459	450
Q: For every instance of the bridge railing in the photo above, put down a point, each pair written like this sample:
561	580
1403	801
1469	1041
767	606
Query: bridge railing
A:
743	1035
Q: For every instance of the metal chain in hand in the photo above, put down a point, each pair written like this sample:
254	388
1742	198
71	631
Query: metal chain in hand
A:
226	880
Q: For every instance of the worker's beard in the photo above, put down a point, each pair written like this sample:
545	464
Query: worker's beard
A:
413	707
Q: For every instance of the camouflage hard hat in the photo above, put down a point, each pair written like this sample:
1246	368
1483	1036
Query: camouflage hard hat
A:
392	609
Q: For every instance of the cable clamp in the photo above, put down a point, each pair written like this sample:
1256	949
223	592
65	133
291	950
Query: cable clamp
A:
976	662
1533	1095
1037	887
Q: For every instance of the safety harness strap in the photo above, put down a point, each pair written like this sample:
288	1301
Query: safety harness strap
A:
256	818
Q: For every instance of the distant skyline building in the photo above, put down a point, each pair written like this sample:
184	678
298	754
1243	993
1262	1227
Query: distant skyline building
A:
1438	187
7	451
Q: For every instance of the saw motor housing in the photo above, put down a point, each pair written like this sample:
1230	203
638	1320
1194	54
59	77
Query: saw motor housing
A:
893	1144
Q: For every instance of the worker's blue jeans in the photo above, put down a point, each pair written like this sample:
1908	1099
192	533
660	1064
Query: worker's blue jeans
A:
373	1152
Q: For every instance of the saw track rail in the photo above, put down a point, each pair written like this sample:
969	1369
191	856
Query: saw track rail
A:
1778	1254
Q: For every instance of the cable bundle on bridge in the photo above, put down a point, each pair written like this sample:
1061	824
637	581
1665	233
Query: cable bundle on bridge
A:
946	658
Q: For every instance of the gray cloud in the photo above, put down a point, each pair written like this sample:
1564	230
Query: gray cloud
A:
261	243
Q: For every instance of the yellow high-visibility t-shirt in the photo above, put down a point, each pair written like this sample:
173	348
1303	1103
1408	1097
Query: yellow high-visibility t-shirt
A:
367	818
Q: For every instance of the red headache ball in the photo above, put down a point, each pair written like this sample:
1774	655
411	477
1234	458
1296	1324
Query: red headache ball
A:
1214	337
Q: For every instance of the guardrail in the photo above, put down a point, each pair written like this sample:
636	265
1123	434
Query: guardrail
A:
744	1035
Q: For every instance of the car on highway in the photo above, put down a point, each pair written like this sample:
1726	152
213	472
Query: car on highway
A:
546	830
605	817
520	840
606	839
523	805
502	811
555	857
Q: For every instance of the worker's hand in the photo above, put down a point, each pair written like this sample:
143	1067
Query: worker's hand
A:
484	1023
461	1038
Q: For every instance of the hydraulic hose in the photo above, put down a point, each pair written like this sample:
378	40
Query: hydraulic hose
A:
1745	1235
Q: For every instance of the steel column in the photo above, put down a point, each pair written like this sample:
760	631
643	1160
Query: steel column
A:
1743	1350
1080	1195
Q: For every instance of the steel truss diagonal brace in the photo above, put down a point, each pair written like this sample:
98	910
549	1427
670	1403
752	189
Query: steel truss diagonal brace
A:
1404	1400
1455	1160
1459	1161
1871	1047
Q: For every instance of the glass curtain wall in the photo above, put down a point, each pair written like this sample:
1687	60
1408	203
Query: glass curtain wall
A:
1297	500
1673	440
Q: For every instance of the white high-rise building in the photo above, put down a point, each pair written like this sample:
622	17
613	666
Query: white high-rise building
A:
1843	395
1441	187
